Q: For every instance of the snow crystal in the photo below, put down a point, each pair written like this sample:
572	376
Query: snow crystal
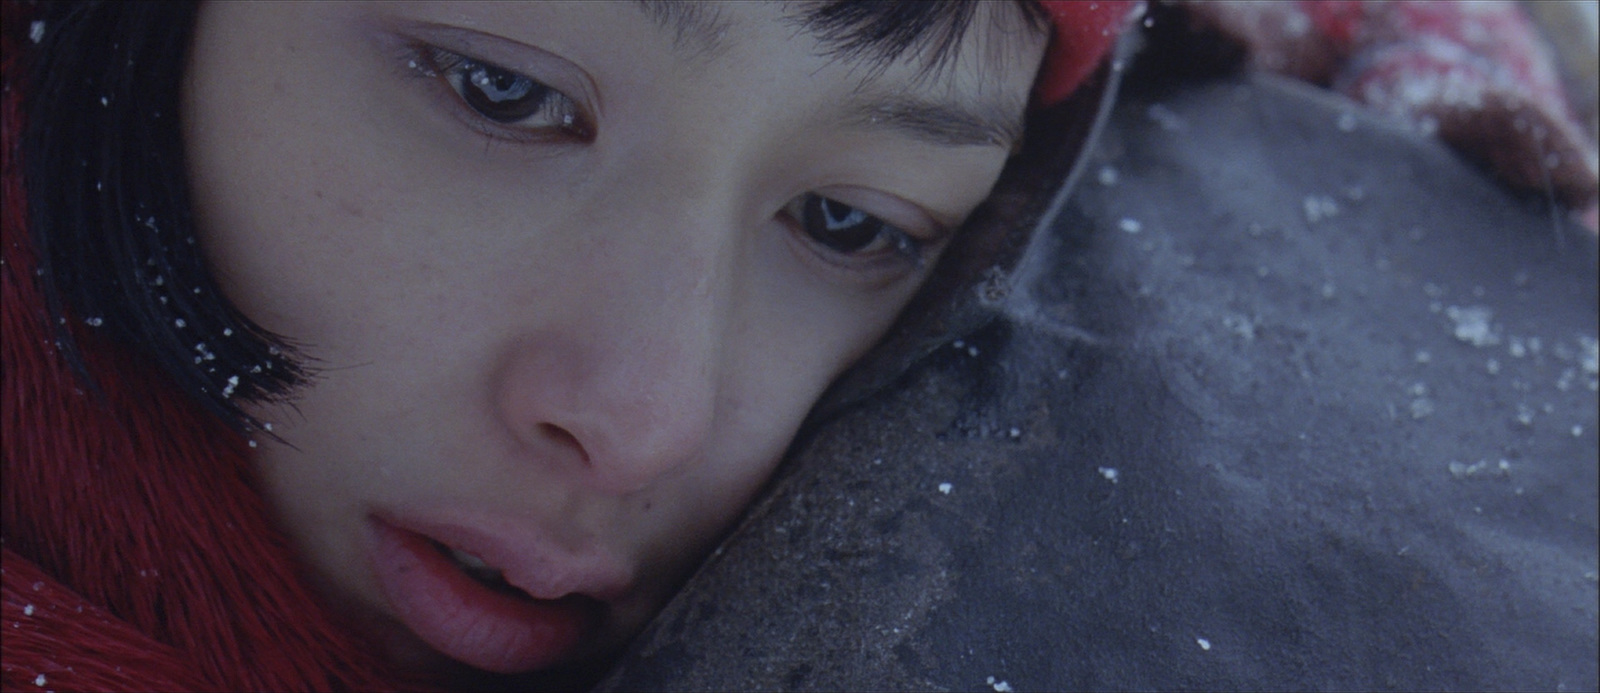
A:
1461	470
1319	207
1493	366
94	322
1110	473
36	31
1107	176
1421	408
227	332
1203	643
27	610
999	686
39	681
945	488
1163	116
1577	431
1347	122
1472	325
1130	225
180	323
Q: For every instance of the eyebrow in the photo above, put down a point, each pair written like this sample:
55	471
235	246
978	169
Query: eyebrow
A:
696	24
699	28
943	123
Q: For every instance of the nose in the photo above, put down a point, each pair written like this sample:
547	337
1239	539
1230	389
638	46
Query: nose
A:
621	388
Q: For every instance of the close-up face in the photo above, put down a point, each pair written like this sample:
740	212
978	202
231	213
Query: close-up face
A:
569	275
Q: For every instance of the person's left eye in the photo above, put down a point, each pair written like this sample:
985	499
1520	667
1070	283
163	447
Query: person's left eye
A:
507	99
852	233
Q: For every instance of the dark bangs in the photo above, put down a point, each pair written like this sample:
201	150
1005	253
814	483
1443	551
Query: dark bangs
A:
880	32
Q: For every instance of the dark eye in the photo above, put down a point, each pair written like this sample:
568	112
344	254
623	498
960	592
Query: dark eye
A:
503	96
500	95
847	230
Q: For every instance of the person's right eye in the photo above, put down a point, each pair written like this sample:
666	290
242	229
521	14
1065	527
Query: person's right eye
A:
516	107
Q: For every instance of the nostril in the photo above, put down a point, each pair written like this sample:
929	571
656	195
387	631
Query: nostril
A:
564	437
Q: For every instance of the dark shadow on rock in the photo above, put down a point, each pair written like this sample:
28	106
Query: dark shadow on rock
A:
1304	403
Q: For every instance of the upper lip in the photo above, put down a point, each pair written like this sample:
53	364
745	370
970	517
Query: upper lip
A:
530	559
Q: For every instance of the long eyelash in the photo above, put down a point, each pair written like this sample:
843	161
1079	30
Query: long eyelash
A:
433	62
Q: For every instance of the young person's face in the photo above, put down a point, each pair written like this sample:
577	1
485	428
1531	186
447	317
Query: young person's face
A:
567	325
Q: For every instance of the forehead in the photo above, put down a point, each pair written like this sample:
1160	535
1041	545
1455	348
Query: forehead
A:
977	58
929	34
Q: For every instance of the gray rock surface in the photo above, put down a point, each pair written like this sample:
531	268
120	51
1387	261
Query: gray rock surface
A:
1301	401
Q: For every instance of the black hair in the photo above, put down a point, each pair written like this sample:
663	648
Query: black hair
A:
109	208
108	193
882	31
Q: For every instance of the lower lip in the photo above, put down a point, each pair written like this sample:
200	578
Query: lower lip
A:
465	620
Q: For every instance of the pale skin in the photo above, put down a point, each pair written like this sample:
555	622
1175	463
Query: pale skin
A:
602	333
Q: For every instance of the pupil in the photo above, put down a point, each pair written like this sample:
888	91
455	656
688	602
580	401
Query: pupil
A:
839	226
501	95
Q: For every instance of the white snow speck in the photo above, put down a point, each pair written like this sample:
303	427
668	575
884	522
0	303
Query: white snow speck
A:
39	681
1130	225
36	31
105	101
999	686
945	488
1107	176
972	351
1319	207
1110	473
252	443
180	323
1472	325
27	610
1493	366
1203	643
1423	356
227	332
94	322
1014	433
1165	117
1577	431
1347	122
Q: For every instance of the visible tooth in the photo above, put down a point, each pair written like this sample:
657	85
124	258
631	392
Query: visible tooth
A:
468	560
